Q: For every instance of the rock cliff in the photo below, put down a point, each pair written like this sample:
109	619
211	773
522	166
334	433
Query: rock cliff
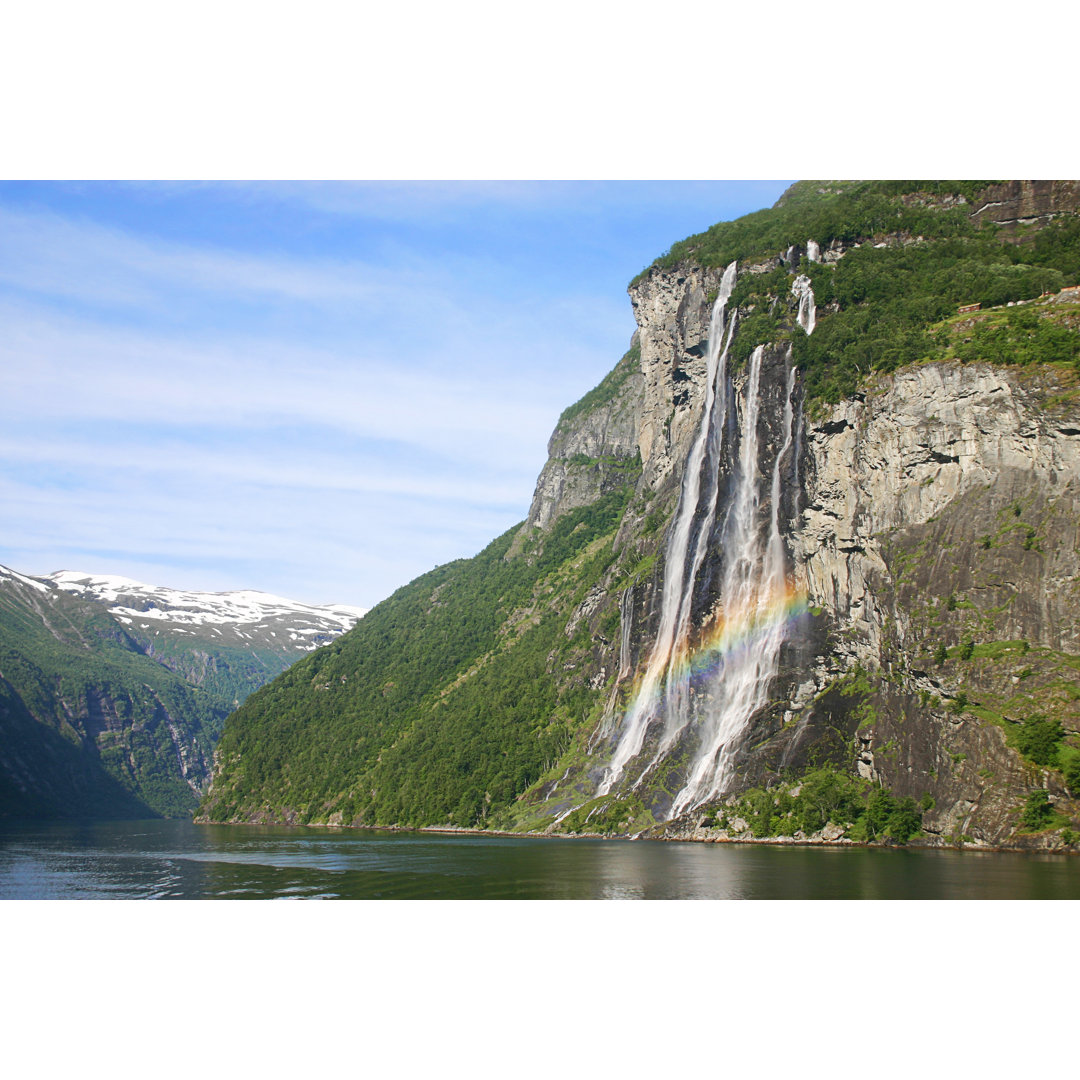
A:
937	507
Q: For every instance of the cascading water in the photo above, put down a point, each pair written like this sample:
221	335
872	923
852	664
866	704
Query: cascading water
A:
686	545
626	611
706	685
813	251
751	625
807	316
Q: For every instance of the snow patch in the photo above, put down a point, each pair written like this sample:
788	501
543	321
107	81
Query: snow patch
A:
22	579
136	599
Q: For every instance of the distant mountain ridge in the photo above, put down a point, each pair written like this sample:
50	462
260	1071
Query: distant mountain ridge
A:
307	626
113	691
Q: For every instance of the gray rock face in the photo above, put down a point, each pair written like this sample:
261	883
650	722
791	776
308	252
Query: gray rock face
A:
589	451
918	443
942	509
937	508
1021	202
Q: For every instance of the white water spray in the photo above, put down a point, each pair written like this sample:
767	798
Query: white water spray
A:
707	698
626	613
807	316
813	251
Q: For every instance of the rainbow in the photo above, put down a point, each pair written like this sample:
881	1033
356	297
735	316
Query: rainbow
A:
728	636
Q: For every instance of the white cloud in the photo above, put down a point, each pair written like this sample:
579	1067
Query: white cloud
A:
272	422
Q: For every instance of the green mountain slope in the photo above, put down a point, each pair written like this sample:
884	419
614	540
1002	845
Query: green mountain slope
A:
92	728
444	703
113	694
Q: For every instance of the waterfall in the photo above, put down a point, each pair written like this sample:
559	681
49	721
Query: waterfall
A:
683	542
813	252
751	624
705	684
626	613
807	316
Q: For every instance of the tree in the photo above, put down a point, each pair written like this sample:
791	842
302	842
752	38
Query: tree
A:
1039	740
905	821
1038	813
1072	776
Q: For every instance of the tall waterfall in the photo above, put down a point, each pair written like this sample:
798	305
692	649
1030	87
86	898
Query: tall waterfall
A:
813	251
704	684
686	546
751	624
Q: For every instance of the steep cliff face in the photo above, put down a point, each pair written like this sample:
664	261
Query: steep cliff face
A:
1027	202
936	508
941	510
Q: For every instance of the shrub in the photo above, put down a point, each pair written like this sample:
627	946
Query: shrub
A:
1039	740
1038	813
1072	776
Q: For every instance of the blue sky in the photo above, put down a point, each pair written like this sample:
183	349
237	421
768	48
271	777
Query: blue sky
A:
319	390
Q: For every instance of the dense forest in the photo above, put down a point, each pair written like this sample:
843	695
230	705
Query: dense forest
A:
437	706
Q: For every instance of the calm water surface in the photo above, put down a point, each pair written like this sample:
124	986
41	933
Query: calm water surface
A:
178	860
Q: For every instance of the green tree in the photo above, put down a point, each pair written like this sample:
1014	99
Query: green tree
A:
905	821
1039	740
880	807
1038	813
1072	776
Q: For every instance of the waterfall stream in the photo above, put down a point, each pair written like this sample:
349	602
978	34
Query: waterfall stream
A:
703	685
684	541
807	316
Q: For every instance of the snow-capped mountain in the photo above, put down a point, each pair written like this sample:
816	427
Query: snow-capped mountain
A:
243	616
113	692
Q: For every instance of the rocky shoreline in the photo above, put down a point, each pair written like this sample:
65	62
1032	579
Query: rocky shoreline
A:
830	836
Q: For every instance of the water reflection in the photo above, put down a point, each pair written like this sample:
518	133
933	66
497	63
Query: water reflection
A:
178	860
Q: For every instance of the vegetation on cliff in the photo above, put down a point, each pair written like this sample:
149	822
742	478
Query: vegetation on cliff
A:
826	795
911	255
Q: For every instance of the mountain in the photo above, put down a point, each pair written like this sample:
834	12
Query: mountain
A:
113	693
227	643
804	564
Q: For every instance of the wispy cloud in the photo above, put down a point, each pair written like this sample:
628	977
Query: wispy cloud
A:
280	421
46	253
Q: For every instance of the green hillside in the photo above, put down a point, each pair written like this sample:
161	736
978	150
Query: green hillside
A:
438	705
91	727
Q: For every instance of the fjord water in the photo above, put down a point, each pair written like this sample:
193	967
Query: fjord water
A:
179	860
